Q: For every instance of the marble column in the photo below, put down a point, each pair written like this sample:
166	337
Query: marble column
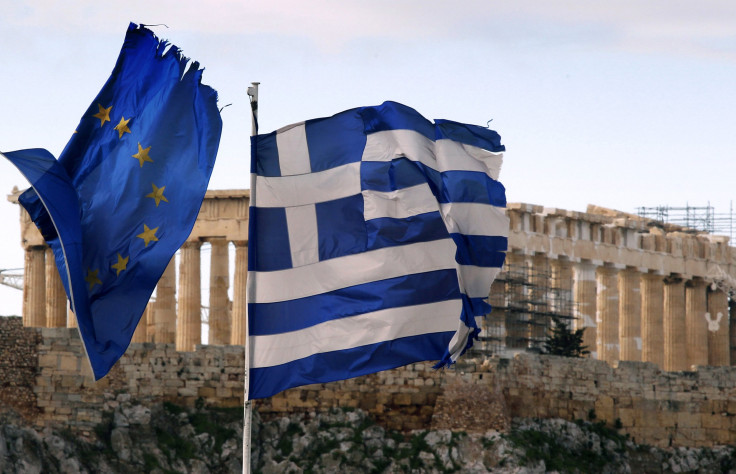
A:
584	295
56	301
539	299
141	330
607	318
675	353
562	282
220	324
34	288
652	314
696	326
71	319
189	317
517	316
237	337
629	308
494	327
164	308
718	328
732	330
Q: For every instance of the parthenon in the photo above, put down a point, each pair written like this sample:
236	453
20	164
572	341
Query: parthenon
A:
643	290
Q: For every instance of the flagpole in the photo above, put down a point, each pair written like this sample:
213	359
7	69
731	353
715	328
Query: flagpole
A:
247	409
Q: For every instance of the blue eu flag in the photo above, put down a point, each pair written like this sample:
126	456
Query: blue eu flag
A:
125	192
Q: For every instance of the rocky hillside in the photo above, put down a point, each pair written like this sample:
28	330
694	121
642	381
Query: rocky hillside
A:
167	438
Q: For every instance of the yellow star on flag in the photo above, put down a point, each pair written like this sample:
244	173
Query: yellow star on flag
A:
157	194
121	264
142	155
103	114
122	127
148	235
92	278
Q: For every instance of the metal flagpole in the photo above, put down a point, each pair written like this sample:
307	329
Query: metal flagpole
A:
247	409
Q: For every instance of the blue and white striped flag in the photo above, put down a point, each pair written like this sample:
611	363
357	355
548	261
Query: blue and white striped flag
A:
375	235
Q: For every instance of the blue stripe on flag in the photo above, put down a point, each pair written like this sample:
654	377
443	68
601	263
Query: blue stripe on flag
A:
469	134
391	175
480	250
327	149
471	186
479	306
345	364
264	158
276	255
341	227
414	289
395	116
449	186
388	232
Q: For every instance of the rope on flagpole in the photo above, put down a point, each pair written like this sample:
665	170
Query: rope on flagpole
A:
247	408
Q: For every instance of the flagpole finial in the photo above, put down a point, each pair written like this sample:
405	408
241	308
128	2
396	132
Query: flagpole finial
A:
253	94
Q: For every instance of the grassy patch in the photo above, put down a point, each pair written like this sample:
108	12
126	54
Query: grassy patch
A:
542	446
213	421
174	446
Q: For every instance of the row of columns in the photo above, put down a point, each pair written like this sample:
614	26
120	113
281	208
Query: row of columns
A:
629	315
166	319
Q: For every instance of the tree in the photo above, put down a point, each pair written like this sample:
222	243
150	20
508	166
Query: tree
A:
563	341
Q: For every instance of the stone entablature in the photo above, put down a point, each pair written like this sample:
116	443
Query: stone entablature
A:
623	240
224	214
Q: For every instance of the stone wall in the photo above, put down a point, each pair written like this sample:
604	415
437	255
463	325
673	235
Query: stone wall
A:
18	366
654	407
54	378
46	379
402	399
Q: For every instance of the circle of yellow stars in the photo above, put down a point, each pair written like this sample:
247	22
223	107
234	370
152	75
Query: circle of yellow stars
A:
157	194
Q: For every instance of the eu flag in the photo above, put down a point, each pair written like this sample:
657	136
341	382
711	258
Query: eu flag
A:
125	192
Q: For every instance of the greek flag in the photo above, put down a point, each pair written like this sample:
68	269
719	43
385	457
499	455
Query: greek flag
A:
375	235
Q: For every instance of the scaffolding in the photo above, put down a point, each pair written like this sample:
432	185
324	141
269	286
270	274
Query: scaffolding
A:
525	300
700	218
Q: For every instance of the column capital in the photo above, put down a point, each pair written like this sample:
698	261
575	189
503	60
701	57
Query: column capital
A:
695	282
192	244
630	269
673	279
652	276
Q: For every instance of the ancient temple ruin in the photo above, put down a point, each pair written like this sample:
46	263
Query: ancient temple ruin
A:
643	290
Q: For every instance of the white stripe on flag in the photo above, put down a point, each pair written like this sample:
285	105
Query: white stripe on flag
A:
460	156
399	204
442	155
293	150
342	272
288	191
459	341
301	222
355	331
470	218
476	281
391	144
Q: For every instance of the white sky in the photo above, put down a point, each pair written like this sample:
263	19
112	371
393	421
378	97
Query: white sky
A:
620	104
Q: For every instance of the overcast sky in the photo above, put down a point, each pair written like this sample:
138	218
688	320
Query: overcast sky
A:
621	104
